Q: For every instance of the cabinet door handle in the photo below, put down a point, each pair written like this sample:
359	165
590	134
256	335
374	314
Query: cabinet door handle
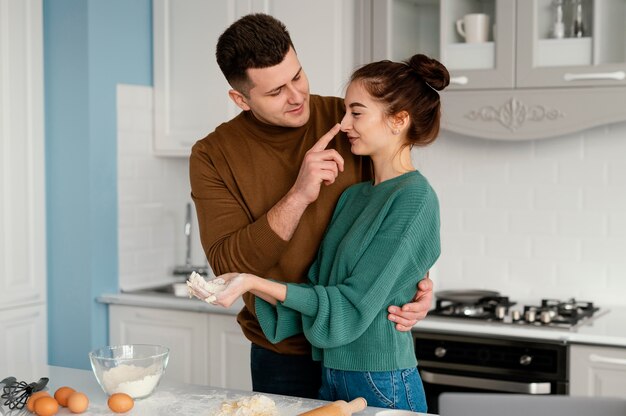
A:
607	360
462	80
618	75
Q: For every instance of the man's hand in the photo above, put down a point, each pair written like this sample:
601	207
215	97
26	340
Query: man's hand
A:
411	313
320	165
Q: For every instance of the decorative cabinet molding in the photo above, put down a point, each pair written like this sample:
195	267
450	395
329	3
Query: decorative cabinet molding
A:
514	113
22	186
524	114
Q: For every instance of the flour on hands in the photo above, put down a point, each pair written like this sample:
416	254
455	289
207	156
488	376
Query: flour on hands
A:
204	290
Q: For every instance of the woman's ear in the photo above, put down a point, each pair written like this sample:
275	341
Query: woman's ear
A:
239	99
399	121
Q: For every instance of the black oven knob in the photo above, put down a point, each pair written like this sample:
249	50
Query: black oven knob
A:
525	360
440	352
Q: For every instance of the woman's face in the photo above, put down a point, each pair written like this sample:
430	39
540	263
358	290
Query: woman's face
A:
366	124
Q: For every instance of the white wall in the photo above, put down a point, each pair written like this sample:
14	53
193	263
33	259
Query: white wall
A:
532	219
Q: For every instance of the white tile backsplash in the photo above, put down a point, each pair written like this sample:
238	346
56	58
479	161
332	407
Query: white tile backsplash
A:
152	197
538	218
532	219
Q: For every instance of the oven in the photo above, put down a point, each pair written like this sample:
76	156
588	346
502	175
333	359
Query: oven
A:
497	364
466	363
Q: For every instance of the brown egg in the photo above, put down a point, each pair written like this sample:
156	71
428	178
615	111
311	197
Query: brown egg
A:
46	406
62	394
30	403
120	402
77	402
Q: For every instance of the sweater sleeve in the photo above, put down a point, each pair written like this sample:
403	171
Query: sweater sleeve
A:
277	322
231	239
333	316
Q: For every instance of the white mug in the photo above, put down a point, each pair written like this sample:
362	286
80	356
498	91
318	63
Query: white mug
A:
474	28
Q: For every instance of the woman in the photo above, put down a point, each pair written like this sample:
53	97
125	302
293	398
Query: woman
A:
382	234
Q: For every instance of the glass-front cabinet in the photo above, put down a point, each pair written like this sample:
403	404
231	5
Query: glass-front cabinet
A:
571	43
520	69
473	38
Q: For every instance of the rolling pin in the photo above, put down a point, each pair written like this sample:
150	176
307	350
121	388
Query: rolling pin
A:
338	408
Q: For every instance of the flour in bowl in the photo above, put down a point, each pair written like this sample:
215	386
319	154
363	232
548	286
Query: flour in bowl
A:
133	380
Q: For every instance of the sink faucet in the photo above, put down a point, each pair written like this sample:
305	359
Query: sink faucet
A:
188	234
187	268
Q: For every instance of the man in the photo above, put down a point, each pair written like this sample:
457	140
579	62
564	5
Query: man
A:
257	185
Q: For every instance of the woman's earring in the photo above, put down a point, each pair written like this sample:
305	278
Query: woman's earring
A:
395	131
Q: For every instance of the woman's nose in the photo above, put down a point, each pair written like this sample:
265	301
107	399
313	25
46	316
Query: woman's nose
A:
345	125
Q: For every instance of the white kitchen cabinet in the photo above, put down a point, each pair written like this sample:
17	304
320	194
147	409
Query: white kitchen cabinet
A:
22	186
204	348
185	333
190	92
23	340
597	371
521	83
230	354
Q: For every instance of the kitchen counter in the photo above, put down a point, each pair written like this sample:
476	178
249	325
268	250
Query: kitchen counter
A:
168	301
605	329
170	398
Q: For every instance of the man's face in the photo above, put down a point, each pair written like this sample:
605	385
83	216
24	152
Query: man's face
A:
279	94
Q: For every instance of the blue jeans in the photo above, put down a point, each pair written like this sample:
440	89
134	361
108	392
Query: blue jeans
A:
399	389
290	375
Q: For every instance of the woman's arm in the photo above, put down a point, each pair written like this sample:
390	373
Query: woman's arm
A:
268	290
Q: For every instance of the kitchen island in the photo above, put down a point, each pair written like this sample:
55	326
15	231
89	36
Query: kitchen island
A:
170	398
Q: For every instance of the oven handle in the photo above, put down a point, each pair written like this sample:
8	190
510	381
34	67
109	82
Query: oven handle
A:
486	383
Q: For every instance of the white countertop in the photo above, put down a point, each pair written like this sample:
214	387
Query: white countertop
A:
607	328
168	301
170	398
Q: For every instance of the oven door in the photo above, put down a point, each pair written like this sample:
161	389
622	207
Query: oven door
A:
464	363
435	382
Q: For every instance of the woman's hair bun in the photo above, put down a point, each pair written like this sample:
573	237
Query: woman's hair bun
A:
433	72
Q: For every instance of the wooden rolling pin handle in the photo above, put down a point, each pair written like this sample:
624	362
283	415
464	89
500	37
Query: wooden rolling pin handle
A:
338	408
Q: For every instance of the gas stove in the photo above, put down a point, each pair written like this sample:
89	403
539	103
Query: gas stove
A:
491	306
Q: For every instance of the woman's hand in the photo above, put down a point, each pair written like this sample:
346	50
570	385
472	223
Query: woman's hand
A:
236	285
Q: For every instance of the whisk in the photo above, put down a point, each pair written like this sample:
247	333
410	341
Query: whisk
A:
17	393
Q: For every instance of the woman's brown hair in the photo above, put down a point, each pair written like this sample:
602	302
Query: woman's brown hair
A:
410	86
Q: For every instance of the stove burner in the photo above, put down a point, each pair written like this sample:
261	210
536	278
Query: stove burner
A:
482	307
491	306
566	313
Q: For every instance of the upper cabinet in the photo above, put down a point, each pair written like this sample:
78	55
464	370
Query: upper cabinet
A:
190	92
520	69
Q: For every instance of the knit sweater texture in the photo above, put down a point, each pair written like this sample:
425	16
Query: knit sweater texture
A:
381	241
240	171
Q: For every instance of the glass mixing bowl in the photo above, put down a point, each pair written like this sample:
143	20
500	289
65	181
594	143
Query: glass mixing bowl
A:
134	369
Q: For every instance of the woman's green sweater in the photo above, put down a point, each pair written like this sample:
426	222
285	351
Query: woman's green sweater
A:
381	241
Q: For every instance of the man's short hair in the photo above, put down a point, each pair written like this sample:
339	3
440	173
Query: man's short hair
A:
254	41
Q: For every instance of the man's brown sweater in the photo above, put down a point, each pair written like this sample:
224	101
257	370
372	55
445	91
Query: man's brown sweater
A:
243	169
